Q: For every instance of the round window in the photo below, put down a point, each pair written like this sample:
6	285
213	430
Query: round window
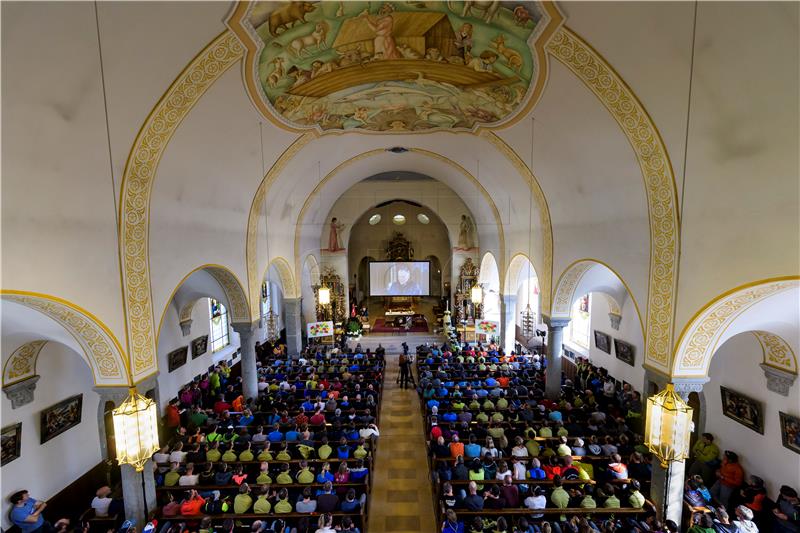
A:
374	219
399	220
423	218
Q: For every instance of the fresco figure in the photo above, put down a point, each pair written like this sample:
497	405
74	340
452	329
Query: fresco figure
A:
463	42
334	239
383	26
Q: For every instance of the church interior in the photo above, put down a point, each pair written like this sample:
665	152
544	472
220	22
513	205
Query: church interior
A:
400	266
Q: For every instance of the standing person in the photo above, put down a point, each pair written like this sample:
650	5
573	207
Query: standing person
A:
26	513
403	371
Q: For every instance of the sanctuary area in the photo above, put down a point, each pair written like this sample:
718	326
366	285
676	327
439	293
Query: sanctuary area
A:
400	266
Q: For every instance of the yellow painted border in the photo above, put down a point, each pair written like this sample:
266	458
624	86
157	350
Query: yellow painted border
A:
378	151
691	322
613	271
35	361
86	314
183	280
764	348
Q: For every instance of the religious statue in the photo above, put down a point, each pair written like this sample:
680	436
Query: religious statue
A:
334	239
466	234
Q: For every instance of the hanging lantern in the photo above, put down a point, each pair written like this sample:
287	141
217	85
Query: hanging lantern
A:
476	295
324	296
669	426
528	321
136	430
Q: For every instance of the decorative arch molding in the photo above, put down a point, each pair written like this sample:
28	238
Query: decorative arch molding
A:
379	151
701	336
777	352
514	271
489	269
231	287
659	183
311	264
104	353
286	275
565	294
136	189
21	364
225	51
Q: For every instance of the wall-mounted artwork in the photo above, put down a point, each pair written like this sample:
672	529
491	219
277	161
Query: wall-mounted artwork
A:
625	352
394	66
602	341
790	431
199	346
743	409
11	442
62	416
177	358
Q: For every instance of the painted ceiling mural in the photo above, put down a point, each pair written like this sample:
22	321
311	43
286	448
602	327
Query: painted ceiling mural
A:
394	66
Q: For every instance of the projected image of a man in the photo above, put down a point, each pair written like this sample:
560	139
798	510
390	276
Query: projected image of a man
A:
404	285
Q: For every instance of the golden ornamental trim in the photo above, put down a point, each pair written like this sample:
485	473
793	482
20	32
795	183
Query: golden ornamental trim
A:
103	352
21	365
137	182
777	352
700	338
234	292
659	181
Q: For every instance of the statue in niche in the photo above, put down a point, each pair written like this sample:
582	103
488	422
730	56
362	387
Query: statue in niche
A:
466	234
335	236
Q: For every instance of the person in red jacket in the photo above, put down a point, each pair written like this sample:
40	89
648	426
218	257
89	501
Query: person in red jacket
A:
192	505
730	478
172	416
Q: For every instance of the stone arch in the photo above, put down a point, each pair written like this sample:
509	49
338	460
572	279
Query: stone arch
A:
519	265
489	278
768	305
520	270
230	292
73	326
286	275
311	265
590	275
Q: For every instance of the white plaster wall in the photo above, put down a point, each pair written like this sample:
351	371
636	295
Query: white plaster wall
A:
741	214
58	214
43	469
171	338
735	366
630	331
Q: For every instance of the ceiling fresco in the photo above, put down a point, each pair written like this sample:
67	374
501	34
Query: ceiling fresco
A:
394	66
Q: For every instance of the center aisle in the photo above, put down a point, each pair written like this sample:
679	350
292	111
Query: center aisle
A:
401	495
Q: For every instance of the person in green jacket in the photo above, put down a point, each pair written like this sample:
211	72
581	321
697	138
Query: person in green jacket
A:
243	500
172	477
262	505
559	497
706	458
282	505
702	524
612	502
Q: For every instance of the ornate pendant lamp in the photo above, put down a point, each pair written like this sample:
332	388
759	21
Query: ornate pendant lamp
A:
135	430
669	426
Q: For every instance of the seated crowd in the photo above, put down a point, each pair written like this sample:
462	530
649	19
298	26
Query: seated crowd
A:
296	458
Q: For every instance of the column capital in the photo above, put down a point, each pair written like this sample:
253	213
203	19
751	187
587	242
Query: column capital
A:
685	386
555	322
778	380
186	327
21	392
615	320
246	328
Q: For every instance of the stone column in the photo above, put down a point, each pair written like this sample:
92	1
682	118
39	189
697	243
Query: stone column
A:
666	489
292	315
247	339
555	345
136	507
508	324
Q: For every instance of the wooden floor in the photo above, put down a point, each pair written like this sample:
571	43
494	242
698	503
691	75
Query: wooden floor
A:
401	496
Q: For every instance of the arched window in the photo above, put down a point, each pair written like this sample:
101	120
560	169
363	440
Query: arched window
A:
220	337
580	324
265	299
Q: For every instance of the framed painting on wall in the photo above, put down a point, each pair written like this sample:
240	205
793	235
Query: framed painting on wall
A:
177	358
625	352
743	409
602	341
199	346
62	416
11	441
790	432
